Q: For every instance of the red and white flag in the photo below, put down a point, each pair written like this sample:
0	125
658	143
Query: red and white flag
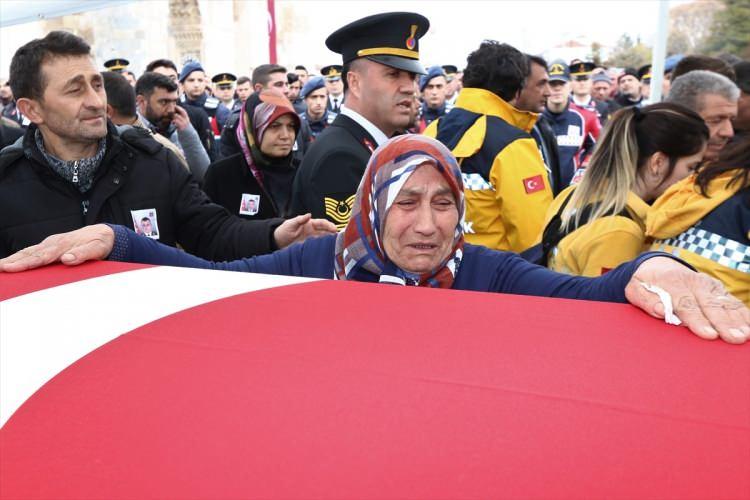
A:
128	381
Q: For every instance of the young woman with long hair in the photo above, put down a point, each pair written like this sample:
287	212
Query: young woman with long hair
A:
598	224
705	220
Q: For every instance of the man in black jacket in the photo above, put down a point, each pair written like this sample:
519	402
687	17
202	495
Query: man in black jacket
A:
73	169
381	63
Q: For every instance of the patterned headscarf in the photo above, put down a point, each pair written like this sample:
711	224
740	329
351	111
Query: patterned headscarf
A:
359	247
261	110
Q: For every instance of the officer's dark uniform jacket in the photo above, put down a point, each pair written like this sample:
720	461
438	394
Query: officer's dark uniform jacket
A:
214	108
136	173
318	126
575	140
331	170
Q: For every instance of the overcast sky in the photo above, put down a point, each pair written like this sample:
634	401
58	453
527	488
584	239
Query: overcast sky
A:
457	27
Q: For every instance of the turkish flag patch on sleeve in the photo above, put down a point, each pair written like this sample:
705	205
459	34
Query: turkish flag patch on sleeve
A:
533	184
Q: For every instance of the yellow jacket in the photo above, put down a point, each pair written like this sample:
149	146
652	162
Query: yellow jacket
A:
602	244
505	180
712	234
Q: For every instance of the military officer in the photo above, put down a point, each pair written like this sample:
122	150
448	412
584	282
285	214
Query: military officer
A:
334	85
118	64
381	63
224	90
453	86
581	86
314	95
644	75
194	82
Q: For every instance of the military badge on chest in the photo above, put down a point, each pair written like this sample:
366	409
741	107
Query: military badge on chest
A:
339	211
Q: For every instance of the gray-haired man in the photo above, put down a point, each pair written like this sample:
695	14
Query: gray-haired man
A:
714	97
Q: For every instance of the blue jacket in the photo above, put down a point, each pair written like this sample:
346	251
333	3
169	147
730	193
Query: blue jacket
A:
481	269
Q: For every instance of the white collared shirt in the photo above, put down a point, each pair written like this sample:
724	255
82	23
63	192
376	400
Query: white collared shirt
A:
339	100
366	124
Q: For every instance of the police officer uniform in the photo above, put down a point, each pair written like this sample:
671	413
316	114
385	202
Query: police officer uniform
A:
225	81
583	69
644	75
574	129
332	168
316	126
451	72
428	114
209	107
333	73
118	64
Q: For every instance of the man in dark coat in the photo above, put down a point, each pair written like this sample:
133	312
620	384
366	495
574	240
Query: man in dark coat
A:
73	168
381	64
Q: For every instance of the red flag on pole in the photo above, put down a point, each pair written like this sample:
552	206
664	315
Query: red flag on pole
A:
271	31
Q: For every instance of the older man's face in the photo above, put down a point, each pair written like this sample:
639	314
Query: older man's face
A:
601	90
630	86
74	105
421	222
718	112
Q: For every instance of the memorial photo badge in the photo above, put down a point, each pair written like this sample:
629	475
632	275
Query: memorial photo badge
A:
250	204
145	222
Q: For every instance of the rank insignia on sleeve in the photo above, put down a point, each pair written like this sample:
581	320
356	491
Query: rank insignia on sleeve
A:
339	211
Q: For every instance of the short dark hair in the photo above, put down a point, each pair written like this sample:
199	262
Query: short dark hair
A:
349	66
537	60
26	79
707	63
161	63
299	66
261	74
498	68
243	79
291	78
149	81
120	94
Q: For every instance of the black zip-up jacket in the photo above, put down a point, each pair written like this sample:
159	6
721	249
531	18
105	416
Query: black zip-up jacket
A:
136	174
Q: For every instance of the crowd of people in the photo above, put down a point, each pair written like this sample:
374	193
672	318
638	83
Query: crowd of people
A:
567	163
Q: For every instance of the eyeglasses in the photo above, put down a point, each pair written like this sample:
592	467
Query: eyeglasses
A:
581	78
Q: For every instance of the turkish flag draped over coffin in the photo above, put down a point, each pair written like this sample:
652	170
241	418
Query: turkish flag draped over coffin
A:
214	384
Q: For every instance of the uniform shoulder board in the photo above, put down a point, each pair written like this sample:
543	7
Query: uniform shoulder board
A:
211	103
141	139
